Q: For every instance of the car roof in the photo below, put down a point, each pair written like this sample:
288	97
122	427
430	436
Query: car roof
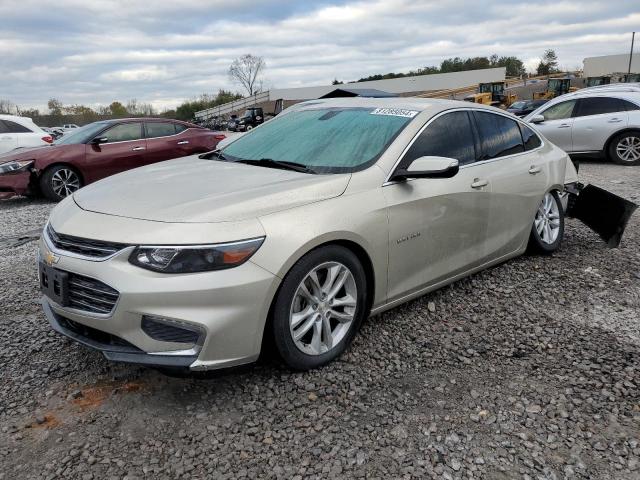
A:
15	118
434	105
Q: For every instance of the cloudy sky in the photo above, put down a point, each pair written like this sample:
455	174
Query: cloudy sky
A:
97	51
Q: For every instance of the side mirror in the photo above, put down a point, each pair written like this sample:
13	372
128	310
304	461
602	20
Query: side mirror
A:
537	119
99	140
428	167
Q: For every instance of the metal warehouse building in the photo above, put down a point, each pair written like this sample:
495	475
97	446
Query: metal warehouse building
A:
609	64
405	86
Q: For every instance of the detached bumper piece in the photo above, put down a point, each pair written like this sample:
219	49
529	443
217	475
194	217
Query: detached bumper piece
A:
112	347
603	212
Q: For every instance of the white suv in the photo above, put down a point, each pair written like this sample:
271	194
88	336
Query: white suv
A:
18	132
594	120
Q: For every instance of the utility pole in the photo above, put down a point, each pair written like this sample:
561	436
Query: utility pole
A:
633	37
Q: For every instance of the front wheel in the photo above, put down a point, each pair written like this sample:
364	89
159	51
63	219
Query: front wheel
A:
624	149
548	225
59	182
319	307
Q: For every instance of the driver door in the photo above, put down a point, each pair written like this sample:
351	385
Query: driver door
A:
438	226
558	124
124	149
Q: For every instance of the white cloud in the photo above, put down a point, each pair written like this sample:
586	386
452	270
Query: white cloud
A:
97	51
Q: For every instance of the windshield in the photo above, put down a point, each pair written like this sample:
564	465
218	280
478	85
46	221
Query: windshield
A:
518	105
82	134
327	140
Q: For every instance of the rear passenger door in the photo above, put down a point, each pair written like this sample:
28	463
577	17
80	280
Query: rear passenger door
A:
437	226
164	141
518	174
596	119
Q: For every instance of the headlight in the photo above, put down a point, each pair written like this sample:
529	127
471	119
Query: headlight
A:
194	258
15	167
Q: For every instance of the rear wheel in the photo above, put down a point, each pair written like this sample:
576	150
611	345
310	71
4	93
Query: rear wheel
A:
59	182
548	225
624	149
319	307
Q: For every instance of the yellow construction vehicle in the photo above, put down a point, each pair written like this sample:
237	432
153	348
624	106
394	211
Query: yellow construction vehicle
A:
492	94
555	88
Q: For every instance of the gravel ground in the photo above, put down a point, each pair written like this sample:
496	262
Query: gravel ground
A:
530	370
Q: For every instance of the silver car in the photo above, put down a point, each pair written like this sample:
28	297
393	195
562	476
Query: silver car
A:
295	232
603	120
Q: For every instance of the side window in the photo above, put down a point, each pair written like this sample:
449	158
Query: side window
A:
180	128
629	106
559	110
160	129
529	137
450	135
13	127
124	132
499	135
598	106
3	127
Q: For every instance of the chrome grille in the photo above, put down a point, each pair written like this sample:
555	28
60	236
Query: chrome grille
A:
82	246
91	295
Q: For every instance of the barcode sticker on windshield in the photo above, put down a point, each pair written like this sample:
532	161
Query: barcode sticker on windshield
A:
396	112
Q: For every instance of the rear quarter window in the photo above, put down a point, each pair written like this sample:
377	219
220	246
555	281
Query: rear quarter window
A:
530	139
499	136
13	127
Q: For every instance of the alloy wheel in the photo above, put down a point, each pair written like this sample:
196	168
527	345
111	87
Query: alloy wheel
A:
628	149
547	221
323	308
64	182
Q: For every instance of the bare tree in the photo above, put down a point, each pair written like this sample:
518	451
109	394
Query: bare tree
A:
246	71
8	107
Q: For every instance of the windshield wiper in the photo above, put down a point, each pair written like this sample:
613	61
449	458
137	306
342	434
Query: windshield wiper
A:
283	164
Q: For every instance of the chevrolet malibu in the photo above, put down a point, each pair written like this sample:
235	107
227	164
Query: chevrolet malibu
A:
87	154
295	232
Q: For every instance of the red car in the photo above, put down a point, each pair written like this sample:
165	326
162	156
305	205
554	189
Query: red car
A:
98	150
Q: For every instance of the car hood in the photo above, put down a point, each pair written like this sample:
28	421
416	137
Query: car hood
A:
43	152
193	190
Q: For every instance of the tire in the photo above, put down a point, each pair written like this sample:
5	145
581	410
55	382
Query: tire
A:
548	225
311	316
249	127
59	182
624	149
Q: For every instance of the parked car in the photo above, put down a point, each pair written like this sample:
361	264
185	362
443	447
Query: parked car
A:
297	231
69	126
16	132
54	132
525	107
98	150
599	120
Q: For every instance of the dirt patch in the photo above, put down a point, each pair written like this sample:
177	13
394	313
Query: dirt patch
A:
95	396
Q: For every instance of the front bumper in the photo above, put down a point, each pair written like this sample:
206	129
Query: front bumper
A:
14	184
230	307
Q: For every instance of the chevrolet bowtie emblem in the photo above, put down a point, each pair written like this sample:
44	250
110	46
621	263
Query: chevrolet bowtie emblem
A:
50	258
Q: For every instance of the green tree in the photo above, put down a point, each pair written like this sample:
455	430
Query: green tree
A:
186	111
118	110
548	63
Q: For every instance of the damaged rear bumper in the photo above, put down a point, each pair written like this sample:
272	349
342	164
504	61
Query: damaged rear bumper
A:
604	212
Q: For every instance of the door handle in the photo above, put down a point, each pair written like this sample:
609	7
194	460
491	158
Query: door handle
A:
564	125
614	120
136	149
534	170
479	183
183	142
